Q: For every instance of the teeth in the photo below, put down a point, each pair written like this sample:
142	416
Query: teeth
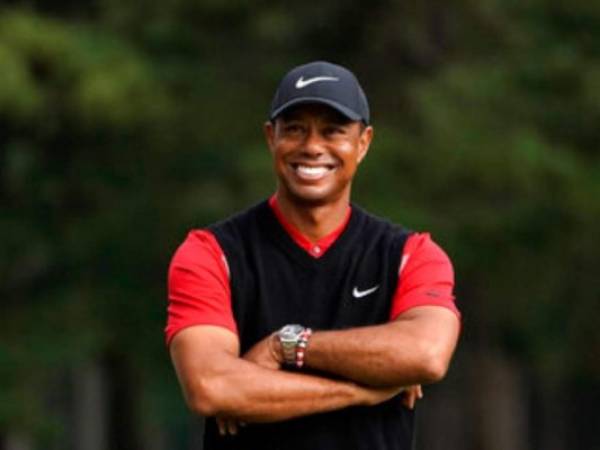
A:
311	172
314	171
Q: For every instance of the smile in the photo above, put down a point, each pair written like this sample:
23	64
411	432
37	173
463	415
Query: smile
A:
312	172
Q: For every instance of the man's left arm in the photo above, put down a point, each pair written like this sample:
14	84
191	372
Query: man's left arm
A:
414	348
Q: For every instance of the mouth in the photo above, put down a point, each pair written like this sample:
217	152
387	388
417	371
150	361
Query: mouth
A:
312	172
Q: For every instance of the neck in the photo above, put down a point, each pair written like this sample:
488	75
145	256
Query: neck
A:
315	221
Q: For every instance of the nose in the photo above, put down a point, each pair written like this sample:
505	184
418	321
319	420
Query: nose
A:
313	142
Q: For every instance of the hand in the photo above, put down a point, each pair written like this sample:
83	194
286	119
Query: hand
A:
266	353
372	396
229	426
411	394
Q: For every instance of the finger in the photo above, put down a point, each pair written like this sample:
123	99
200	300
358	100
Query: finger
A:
419	391
407	398
222	426
232	427
412	398
411	395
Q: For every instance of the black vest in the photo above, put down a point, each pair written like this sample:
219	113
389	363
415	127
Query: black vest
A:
274	282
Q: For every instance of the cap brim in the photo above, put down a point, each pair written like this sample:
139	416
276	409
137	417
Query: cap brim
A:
304	100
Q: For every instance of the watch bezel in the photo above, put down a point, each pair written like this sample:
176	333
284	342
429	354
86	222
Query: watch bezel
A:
289	337
291	332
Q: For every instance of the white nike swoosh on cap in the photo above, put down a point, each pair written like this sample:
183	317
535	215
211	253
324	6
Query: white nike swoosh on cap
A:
358	294
302	83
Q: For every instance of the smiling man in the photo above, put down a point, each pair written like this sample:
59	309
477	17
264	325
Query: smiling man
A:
305	322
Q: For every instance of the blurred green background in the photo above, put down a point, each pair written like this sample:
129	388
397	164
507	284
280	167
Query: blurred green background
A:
125	124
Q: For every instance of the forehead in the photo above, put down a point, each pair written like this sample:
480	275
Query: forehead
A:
310	111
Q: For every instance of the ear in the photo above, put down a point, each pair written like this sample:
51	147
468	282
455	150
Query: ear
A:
269	131
364	141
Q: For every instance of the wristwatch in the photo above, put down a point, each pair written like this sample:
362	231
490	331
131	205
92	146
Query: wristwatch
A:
293	339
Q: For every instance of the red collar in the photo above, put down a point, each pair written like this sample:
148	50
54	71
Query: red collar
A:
315	249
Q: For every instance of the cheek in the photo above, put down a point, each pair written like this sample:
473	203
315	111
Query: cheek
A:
284	147
279	154
351	154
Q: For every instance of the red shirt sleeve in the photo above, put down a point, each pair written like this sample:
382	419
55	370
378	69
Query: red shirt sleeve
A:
198	286
426	277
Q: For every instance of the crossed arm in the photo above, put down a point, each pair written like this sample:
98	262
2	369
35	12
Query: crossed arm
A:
374	364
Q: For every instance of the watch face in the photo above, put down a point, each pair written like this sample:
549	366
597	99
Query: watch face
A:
290	332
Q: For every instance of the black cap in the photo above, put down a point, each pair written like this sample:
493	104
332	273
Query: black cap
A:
322	82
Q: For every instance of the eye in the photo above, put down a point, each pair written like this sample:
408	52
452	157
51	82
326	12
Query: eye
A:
334	130
292	128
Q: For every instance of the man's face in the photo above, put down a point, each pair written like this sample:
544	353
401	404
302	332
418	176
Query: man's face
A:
316	151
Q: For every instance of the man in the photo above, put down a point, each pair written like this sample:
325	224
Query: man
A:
302	322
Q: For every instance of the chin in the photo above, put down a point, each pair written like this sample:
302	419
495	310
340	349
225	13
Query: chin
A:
313	197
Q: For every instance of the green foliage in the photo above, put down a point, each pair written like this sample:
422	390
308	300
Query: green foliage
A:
76	111
123	125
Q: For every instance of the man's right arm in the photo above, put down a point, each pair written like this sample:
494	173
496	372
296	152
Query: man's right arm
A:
217	382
